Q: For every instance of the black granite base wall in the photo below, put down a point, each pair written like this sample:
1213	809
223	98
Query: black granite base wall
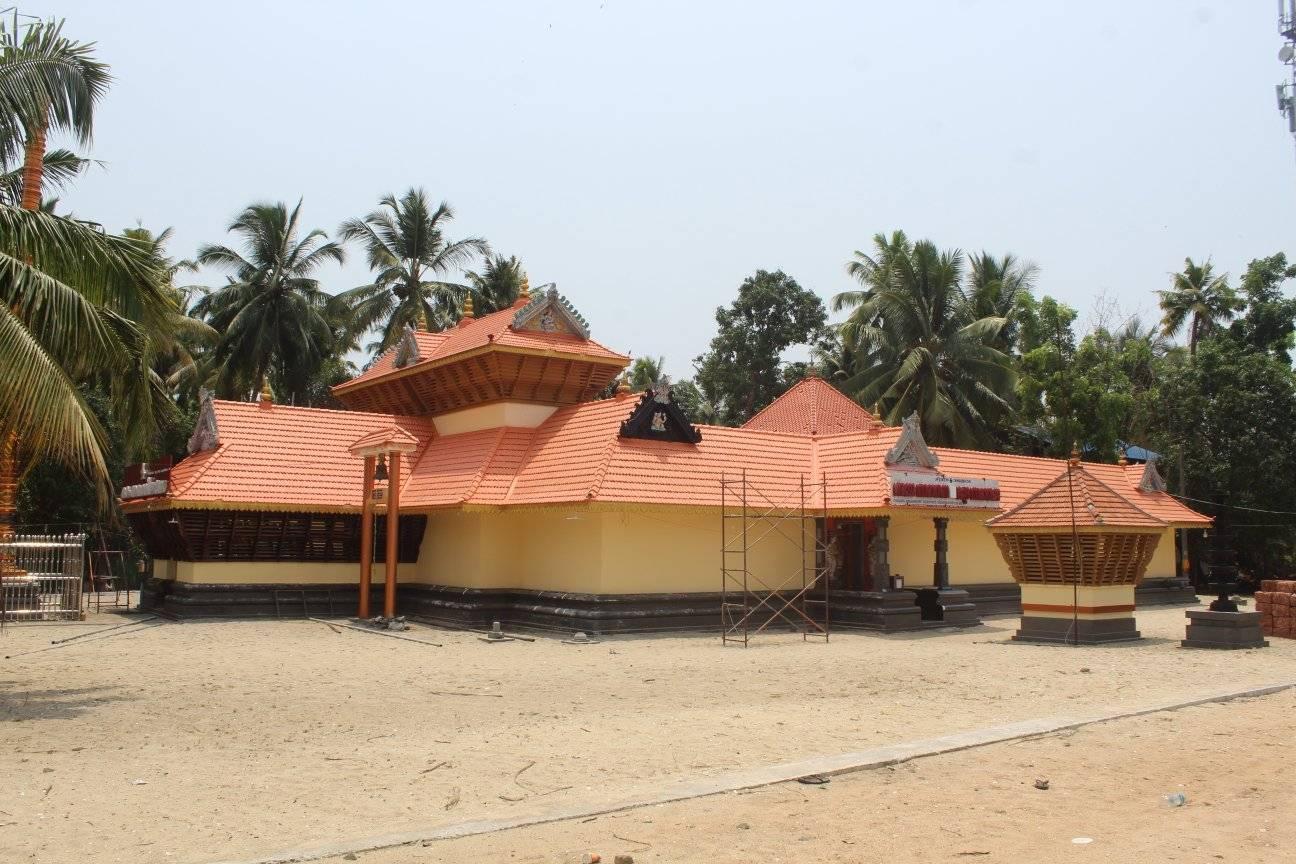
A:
1084	631
558	611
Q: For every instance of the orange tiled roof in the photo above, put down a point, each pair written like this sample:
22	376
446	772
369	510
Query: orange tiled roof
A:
812	407
393	436
299	458
493	329
294	457
1077	495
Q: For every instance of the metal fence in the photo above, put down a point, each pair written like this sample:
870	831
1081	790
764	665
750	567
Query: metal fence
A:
41	577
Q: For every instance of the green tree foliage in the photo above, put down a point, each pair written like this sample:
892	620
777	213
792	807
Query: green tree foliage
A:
1228	419
77	306
272	313
497	286
646	371
743	370
1269	320
919	345
410	256
1199	299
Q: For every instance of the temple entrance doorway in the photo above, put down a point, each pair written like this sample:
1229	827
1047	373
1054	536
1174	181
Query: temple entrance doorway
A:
852	537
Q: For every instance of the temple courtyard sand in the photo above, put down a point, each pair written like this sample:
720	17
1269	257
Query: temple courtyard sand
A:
194	742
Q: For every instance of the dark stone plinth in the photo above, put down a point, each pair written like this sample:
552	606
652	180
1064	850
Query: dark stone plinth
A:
888	611
1227	630
1084	631
958	608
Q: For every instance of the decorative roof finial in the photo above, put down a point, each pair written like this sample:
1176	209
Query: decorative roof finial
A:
1124	459
623	387
524	292
422	323
267	396
1074	460
468	306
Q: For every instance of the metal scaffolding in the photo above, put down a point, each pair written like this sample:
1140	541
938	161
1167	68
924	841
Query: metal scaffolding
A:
749	603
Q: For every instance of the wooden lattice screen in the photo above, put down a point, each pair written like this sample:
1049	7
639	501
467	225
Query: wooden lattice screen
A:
266	535
1105	559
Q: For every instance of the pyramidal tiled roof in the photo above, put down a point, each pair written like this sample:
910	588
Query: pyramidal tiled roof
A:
812	407
493	329
1076	494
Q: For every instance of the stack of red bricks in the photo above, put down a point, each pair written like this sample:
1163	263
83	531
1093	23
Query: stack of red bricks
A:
1276	603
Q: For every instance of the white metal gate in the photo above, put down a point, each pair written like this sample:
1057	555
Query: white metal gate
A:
41	577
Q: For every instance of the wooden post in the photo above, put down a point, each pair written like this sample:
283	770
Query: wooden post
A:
366	538
393	522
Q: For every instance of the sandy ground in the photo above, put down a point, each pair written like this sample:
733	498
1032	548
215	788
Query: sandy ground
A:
1107	783
201	741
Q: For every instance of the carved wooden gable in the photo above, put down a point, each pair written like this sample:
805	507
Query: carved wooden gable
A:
658	417
550	312
407	349
206	436
910	449
1151	480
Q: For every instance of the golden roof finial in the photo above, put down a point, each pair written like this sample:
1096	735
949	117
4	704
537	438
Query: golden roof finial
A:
267	395
1123	460
524	292
422	322
1074	461
623	387
467	306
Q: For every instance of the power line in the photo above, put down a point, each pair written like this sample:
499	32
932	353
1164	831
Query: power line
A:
1235	506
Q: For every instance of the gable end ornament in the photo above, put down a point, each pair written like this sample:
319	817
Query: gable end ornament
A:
549	311
910	448
658	417
206	434
1151	480
407	349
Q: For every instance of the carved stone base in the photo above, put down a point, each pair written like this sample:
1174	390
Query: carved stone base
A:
1226	630
1080	631
958	608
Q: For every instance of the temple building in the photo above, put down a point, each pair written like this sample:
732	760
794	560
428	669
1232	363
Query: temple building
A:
523	497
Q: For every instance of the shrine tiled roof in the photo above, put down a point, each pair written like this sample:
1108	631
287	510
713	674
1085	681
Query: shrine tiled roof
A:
280	457
812	407
1076	496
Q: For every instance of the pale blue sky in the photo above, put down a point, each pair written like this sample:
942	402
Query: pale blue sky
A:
646	156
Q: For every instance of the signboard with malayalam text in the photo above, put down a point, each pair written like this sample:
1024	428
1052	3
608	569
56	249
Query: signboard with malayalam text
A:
933	489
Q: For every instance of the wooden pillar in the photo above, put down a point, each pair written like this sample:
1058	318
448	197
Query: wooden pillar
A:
366	538
940	570
393	523
880	548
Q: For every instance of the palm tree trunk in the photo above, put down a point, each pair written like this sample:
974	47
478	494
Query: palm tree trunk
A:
33	174
34	165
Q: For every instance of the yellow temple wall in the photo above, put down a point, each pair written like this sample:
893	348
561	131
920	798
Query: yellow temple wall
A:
974	556
1162	565
271	572
912	552
631	551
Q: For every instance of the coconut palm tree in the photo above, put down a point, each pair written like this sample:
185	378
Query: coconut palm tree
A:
1198	298
271	314
498	285
645	372
410	257
919	345
178	350
996	288
76	305
50	82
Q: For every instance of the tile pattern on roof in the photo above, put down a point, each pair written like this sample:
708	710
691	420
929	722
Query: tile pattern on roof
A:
299	457
812	407
1076	494
495	328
